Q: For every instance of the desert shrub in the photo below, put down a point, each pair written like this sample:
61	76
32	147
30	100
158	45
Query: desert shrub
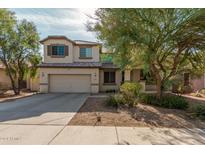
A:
184	89
131	87
196	94
114	100
199	111
202	91
179	87
168	101
130	92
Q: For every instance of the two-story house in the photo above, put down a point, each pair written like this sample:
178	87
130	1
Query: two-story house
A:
75	67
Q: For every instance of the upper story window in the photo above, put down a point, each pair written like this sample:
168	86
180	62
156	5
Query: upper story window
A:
85	52
58	50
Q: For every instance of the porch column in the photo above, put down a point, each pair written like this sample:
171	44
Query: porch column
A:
127	75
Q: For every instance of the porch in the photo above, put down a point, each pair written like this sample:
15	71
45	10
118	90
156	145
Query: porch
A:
136	75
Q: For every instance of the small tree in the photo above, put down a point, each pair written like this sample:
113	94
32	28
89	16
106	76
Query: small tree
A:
165	41
19	49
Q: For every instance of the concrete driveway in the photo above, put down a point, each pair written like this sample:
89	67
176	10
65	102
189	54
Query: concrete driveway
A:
37	119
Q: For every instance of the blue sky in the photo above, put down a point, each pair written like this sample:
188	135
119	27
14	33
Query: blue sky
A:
68	22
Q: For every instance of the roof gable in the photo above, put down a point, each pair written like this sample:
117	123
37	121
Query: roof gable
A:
75	42
56	37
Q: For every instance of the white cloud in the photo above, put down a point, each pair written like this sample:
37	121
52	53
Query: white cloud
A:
69	22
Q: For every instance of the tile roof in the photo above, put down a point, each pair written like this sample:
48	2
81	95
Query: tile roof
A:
82	65
74	65
77	42
109	65
56	37
82	42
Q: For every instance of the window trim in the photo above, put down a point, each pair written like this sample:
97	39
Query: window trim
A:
109	83
57	56
80	57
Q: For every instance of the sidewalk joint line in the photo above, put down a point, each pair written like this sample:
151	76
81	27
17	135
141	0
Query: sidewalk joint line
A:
56	135
117	135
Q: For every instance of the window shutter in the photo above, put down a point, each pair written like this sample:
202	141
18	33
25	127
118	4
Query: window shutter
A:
49	50
66	50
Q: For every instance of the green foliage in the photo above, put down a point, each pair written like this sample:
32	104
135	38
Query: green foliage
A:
106	57
131	87
171	102
199	111
114	100
130	92
166	41
19	48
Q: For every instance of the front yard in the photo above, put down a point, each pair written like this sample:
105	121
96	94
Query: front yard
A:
95	112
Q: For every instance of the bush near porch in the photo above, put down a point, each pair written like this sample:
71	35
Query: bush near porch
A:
129	94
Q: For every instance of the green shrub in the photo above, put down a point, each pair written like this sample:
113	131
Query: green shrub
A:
199	111
171	102
114	100
131	87
130	92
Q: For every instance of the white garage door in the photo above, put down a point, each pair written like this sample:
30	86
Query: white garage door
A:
70	83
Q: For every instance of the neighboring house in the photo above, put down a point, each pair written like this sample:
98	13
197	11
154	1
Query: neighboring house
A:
4	78
74	66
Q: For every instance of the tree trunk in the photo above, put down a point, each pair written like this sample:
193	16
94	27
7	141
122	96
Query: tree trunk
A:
19	86
11	79
156	75
159	89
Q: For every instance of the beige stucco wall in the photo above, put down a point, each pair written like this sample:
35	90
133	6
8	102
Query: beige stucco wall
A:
73	52
127	75
4	79
95	55
44	76
33	83
135	75
66	59
197	83
105	87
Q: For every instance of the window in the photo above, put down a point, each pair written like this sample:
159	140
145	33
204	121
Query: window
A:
109	77
85	52
58	50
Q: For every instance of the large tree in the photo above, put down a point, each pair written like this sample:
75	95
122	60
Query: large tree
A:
166	42
19	48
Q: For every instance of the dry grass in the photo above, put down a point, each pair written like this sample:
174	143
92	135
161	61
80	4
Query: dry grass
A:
140	116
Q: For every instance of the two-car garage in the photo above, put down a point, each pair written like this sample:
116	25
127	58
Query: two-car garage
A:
72	83
69	80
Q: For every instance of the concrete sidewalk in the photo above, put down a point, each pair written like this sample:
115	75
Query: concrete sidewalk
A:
56	134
